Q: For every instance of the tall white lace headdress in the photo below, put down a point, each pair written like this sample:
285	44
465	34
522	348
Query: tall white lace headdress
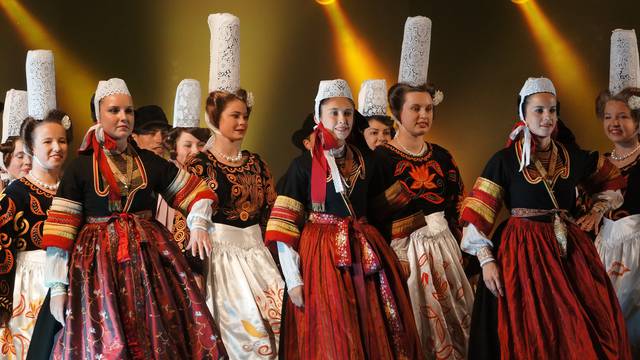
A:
186	108
41	83
624	63
416	45
224	66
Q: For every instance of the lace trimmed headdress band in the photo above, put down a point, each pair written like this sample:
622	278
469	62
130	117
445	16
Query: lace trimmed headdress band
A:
15	111
372	98
107	88
329	89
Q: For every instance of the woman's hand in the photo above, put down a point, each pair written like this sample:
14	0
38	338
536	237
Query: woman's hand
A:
297	296
199	244
493	278
56	306
591	221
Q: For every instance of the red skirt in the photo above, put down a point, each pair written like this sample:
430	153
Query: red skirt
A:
133	296
356	304
555	307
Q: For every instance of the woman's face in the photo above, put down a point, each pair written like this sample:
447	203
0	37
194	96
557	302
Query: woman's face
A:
234	120
541	114
377	133
116	116
49	146
618	124
20	163
336	115
416	115
186	145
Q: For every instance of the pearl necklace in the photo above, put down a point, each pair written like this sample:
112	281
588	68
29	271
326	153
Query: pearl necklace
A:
418	154
53	187
228	158
625	156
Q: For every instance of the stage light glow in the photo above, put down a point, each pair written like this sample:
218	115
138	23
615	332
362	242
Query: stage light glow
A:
520	1
356	59
73	80
325	2
566	68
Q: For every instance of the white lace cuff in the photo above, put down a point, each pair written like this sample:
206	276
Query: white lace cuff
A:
200	215
610	200
290	263
401	246
473	240
56	268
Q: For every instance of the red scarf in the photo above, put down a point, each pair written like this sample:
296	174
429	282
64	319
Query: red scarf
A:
319	165
518	123
90	143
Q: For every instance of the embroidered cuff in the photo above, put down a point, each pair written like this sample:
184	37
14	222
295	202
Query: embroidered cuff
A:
290	263
485	255
56	267
58	289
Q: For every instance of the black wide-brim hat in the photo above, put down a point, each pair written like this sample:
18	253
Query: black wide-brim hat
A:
297	139
150	117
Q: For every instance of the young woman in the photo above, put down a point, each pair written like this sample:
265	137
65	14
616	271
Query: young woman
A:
618	241
24	206
344	283
554	299
16	162
420	211
244	286
131	293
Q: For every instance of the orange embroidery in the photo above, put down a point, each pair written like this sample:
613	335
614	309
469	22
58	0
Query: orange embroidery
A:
617	269
422	178
35	206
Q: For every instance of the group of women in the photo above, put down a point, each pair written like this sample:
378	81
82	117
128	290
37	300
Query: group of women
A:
355	254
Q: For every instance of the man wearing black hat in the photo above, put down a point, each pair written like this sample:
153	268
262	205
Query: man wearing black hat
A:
150	129
303	137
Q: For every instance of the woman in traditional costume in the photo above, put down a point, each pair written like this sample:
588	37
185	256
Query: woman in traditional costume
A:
420	205
244	286
131	293
554	298
15	163
348	299
185	140
46	134
618	241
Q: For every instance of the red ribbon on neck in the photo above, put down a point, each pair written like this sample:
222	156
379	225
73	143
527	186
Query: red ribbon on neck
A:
91	143
319	166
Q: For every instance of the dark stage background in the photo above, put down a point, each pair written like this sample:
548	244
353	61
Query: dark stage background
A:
481	53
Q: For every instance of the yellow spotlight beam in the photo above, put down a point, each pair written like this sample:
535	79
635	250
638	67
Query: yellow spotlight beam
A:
356	60
73	79
564	64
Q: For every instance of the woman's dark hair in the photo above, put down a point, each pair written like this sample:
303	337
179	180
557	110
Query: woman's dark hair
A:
397	92
199	133
217	101
7	149
29	125
623	96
